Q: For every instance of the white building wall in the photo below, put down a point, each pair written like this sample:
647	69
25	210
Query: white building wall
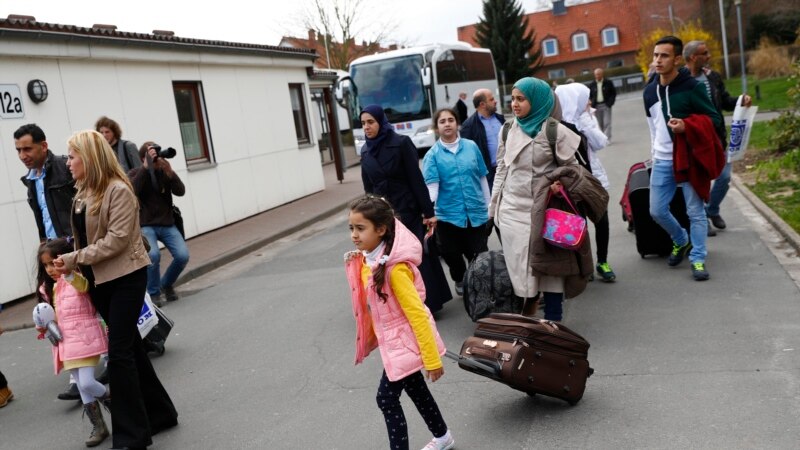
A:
258	163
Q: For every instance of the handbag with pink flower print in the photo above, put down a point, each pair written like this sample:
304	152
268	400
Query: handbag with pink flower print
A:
561	228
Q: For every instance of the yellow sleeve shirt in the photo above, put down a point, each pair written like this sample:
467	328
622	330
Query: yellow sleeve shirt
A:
401	280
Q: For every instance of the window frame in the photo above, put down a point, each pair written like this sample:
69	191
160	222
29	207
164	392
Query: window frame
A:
544	47
585	38
301	114
199	106
562	73
603	36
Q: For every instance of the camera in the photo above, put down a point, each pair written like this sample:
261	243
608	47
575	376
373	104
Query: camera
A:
168	152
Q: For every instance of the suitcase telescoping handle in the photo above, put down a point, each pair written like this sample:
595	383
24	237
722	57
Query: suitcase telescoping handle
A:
489	369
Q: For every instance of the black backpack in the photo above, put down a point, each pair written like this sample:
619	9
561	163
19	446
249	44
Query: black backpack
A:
487	287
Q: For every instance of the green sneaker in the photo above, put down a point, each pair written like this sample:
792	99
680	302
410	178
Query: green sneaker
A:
606	274
699	271
678	253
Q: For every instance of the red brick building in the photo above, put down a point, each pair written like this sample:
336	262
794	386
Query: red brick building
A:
339	56
578	38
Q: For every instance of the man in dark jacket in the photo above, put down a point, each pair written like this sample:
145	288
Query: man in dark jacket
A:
49	182
697	57
154	184
602	100
483	128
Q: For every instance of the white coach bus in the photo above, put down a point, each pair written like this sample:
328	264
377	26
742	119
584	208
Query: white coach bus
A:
411	83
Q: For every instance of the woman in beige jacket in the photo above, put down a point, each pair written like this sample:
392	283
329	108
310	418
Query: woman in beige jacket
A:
110	253
522	160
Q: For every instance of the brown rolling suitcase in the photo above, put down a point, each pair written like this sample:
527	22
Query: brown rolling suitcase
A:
532	355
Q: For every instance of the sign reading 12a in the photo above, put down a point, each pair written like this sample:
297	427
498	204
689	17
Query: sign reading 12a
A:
11	102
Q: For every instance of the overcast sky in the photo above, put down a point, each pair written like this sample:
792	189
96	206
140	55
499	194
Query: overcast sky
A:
417	21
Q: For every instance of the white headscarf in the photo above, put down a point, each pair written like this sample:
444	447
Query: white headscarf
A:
574	99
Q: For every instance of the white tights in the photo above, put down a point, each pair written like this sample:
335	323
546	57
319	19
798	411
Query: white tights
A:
89	388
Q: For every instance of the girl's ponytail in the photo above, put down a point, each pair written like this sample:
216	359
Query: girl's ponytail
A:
379	276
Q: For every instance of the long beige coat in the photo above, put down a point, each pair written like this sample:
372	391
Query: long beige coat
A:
114	236
521	162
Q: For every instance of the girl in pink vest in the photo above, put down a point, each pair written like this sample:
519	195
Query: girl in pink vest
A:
388	296
83	339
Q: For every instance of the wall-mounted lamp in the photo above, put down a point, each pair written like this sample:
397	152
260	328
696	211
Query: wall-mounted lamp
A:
37	91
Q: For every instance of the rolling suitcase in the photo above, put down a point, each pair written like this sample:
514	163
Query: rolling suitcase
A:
531	355
487	287
651	239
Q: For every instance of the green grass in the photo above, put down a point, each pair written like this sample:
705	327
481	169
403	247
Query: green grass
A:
783	197
773	92
759	135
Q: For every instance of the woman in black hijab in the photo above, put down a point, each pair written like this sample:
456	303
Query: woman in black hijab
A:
390	169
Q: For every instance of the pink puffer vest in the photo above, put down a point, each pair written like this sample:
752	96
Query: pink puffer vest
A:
77	319
384	324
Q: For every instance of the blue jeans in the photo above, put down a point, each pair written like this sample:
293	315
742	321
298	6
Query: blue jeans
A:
174	242
718	191
662	189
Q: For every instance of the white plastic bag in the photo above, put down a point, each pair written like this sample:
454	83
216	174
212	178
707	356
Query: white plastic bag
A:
740	130
148	317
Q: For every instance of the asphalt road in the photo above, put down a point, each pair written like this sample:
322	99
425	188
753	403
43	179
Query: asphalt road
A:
262	352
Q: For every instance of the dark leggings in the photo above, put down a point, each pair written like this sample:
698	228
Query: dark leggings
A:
601	238
553	305
3	381
389	402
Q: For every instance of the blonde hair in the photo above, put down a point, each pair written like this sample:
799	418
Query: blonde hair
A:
101	166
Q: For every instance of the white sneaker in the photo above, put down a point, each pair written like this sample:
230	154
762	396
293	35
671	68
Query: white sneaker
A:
446	442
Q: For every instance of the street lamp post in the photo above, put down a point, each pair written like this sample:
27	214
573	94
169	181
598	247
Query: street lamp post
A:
738	4
724	40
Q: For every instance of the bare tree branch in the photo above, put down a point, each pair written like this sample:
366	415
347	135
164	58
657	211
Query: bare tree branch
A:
343	24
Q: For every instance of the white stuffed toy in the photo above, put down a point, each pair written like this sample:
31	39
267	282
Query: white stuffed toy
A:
45	317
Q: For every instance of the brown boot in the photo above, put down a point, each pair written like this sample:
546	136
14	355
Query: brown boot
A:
99	431
5	396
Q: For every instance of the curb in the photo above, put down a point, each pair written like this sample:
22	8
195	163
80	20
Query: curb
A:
782	227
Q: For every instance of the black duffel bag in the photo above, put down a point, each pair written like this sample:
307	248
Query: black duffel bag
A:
487	287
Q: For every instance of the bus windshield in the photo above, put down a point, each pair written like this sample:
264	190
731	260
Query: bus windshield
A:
394	84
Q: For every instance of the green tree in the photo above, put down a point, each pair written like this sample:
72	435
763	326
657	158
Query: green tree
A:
503	29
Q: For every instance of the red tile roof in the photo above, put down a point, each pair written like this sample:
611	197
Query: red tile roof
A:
16	25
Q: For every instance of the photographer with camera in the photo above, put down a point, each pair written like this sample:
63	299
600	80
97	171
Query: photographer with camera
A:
154	184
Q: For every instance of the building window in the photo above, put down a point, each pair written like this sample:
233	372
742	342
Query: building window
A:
556	73
192	121
299	113
615	63
580	42
610	37
550	47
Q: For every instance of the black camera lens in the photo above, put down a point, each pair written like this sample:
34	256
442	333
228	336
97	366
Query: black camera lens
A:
168	152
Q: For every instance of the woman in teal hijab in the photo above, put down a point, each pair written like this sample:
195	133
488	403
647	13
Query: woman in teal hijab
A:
540	101
524	157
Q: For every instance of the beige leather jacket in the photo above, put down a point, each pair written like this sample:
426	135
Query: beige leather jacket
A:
114	236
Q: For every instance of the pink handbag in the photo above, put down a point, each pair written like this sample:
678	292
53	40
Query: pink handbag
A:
562	228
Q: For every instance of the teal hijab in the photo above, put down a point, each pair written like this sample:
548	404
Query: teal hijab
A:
541	98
